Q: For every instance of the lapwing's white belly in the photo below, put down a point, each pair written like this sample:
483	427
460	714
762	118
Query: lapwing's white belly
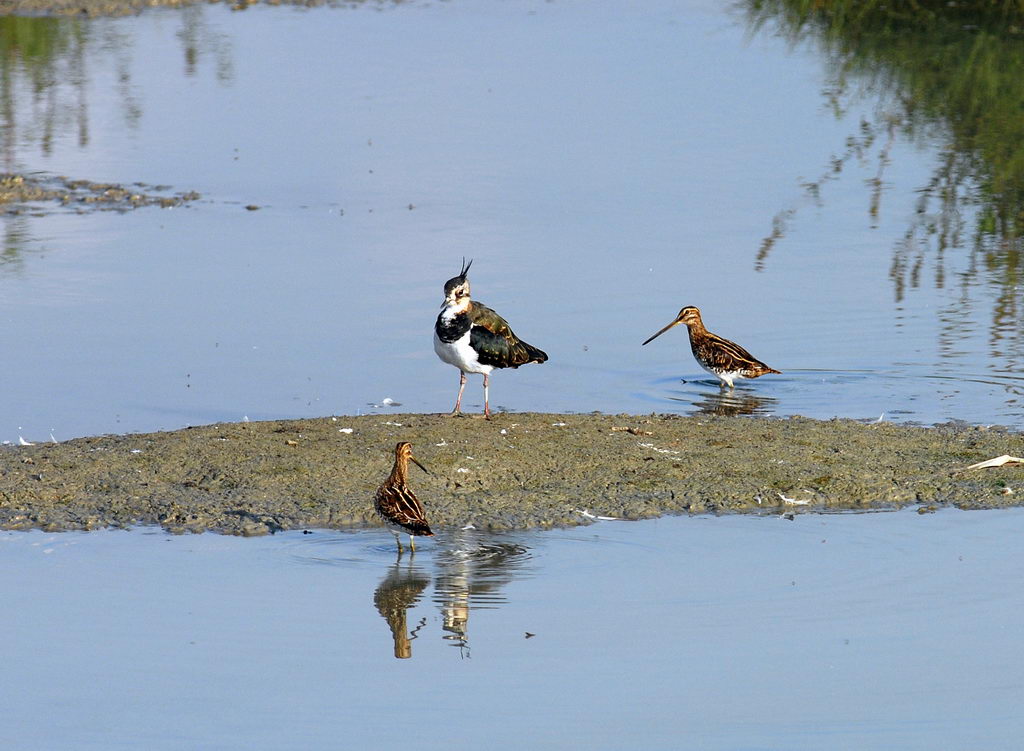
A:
460	354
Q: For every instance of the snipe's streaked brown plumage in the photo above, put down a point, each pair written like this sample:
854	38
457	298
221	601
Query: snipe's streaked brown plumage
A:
725	360
397	505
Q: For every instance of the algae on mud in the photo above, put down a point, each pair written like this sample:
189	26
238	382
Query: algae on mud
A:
513	472
18	192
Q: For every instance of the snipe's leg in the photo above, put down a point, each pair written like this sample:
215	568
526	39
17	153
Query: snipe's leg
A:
412	544
398	541
458	401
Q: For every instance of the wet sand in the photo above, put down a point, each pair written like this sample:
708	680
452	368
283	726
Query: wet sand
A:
516	471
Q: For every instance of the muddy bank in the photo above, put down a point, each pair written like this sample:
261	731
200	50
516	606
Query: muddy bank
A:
39	193
516	471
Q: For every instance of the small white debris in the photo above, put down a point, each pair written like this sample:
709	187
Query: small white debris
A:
23	442
334	419
344	430
468	526
136	451
794	501
559	424
652	447
462	470
881	417
396	424
998	462
503	431
587	514
442	443
387	401
470	457
245	418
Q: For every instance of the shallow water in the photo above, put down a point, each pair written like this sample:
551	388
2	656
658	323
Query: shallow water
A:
603	163
892	630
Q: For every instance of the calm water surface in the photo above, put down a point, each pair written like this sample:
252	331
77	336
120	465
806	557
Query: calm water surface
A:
603	163
841	632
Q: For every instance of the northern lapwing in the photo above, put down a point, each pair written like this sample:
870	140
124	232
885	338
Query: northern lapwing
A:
475	339
725	360
397	505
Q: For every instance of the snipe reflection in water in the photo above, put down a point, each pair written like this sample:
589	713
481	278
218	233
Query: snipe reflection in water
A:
398	591
703	397
470	571
726	403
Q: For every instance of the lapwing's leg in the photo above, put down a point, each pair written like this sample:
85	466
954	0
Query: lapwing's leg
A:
462	385
487	403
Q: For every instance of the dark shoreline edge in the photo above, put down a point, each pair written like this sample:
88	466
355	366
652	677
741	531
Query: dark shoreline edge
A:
517	471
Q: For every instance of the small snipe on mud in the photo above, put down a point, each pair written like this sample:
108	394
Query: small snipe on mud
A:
397	505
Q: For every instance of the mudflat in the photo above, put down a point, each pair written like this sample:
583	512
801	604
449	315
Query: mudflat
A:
43	194
515	471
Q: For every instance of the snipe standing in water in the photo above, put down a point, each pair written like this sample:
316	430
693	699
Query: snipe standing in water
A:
397	505
475	339
725	360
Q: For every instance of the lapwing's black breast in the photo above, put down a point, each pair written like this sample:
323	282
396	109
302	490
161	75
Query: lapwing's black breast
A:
451	329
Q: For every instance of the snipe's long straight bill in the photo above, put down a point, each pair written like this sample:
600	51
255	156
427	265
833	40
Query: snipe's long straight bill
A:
416	461
651	339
